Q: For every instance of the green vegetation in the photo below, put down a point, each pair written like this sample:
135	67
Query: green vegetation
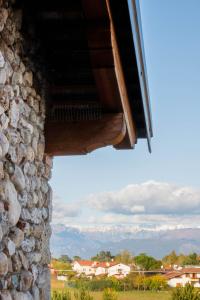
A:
145	262
82	294
110	294
103	256
186	293
152	283
125	257
61	295
181	259
129	283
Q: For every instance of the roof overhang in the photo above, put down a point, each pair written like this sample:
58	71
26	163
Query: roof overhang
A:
97	88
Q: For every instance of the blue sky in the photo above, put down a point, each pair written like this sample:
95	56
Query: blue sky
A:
172	47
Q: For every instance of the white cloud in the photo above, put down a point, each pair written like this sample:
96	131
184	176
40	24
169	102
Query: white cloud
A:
64	212
149	198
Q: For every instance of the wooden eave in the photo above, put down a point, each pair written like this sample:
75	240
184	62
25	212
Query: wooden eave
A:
94	68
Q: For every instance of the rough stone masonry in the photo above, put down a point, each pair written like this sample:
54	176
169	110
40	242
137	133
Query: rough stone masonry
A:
25	195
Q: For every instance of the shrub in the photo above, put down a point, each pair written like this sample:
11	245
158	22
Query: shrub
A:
185	293
97	284
109	294
62	295
156	282
83	294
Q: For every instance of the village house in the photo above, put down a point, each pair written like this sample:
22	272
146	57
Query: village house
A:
89	268
184	276
86	267
103	267
119	270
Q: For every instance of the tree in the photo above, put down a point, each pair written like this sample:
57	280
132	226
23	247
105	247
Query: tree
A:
124	257
185	293
145	262
60	265
103	256
170	259
76	257
65	258
191	259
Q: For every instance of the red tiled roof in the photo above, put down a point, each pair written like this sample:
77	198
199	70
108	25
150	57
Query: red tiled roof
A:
85	262
106	264
173	274
190	270
95	264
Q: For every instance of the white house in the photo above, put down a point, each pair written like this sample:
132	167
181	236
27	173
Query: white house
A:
119	270
184	276
103	267
89	268
62	277
86	267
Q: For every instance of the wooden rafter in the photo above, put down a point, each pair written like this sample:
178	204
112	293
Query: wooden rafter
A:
73	138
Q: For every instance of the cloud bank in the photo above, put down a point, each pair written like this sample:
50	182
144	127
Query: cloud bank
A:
147	205
149	198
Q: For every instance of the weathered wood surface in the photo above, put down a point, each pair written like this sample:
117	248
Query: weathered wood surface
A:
73	138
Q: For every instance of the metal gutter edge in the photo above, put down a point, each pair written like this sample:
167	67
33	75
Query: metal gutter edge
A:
136	26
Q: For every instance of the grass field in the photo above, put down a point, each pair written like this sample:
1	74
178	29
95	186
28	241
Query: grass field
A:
134	295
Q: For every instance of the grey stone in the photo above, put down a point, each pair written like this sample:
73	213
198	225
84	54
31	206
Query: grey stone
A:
35	293
28	244
10	247
1	109
28	78
5	295
4	120
14	114
2	76
12	151
34	257
30	155
1	170
21	296
18	179
26	125
14	209
15	281
3	18
24	260
3	264
17	78
2	60
17	265
35	272
4	145
17	236
40	151
1	233
26	281
36	215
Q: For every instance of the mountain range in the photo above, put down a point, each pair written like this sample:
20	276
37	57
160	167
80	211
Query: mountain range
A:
86	242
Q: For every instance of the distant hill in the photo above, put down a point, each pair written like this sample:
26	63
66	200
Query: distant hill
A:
87	242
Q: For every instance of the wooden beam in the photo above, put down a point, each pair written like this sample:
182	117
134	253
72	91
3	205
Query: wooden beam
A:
73	138
121	83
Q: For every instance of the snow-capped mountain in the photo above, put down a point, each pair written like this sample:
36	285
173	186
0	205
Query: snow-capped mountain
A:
158	241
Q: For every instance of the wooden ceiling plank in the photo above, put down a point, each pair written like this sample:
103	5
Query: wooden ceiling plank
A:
74	138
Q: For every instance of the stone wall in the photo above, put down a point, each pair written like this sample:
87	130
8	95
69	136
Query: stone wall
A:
25	196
